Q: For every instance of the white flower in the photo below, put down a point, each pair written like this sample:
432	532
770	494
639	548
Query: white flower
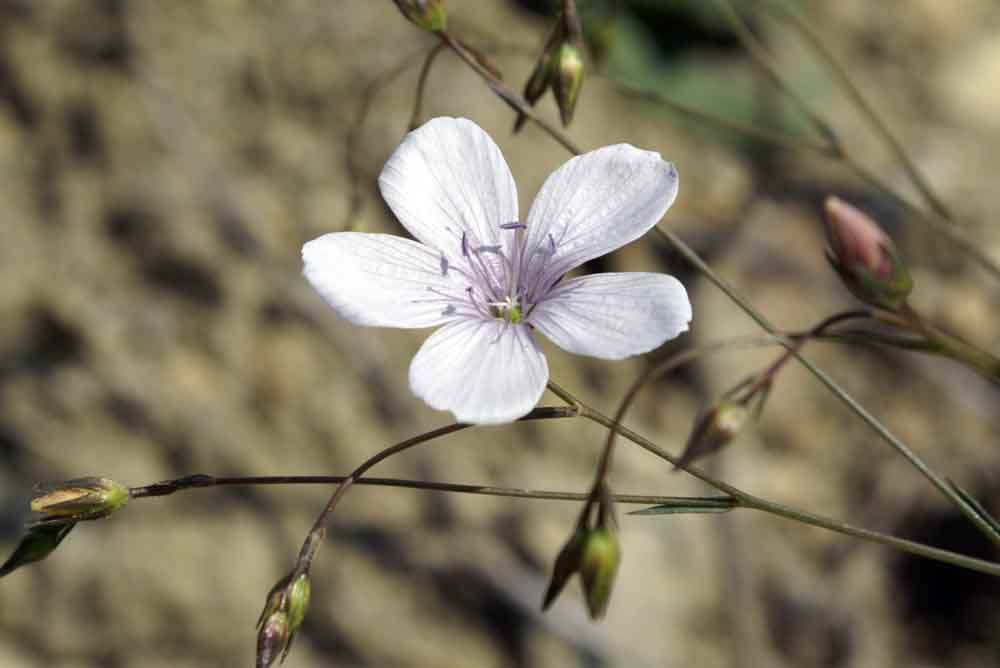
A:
490	280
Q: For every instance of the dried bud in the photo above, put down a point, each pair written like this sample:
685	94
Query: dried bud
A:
567	563
80	499
427	14
282	615
865	257
714	429
567	78
599	561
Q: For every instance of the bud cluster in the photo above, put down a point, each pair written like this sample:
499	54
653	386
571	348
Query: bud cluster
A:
282	615
594	553
559	67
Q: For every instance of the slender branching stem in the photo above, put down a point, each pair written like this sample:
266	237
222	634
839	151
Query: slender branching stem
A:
755	49
747	500
792	18
201	481
315	538
519	104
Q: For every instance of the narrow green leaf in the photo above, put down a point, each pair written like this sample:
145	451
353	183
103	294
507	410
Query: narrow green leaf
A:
720	506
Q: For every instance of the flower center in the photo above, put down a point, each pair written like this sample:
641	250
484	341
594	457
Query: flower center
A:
495	279
508	310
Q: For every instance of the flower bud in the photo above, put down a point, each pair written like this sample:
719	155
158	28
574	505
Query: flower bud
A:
427	14
81	499
283	613
272	639
42	538
714	429
865	257
567	563
567	78
599	561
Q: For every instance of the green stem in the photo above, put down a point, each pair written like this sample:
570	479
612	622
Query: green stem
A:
781	11
984	363
201	481
747	500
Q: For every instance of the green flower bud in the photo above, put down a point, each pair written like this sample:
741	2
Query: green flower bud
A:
81	499
567	79
865	257
283	613
427	14
600	557
714	429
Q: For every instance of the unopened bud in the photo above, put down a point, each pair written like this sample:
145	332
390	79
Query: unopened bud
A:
39	542
81	499
599	561
865	257
567	563
567	78
272	639
283	613
427	14
714	429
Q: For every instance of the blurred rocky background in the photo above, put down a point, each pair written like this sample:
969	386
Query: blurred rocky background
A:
161	164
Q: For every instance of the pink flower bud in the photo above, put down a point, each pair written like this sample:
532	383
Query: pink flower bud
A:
865	257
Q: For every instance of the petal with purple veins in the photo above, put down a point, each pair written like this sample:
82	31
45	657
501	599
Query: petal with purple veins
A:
612	316
483	371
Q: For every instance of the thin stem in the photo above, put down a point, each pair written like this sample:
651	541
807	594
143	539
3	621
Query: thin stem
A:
501	90
418	101
201	481
936	223
764	135
781	11
899	446
766	63
313	541
747	500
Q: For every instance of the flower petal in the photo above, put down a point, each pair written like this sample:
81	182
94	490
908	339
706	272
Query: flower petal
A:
593	204
613	315
381	280
483	371
447	178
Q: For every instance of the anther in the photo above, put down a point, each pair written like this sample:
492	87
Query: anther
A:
513	226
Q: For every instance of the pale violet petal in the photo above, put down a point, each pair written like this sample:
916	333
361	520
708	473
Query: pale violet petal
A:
447	178
612	316
483	371
593	204
382	280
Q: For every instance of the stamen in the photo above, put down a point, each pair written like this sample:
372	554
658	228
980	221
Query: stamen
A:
552	244
513	226
489	249
465	245
444	265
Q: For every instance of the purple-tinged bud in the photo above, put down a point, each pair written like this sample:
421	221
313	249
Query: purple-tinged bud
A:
714	429
865	257
281	617
80	499
272	639
427	14
567	79
599	561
